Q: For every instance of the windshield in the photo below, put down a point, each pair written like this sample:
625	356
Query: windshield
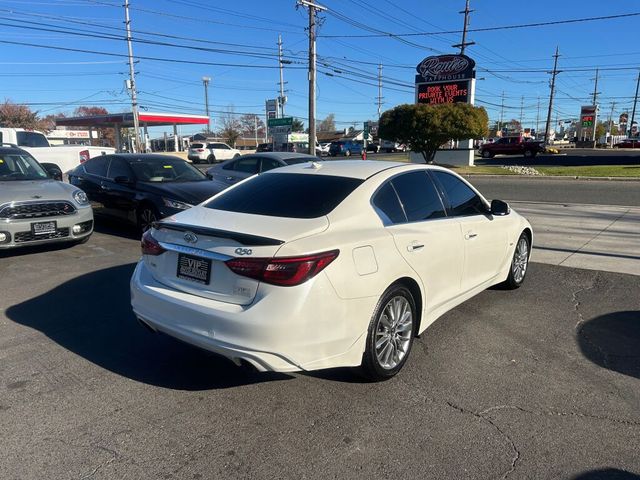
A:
19	166
165	170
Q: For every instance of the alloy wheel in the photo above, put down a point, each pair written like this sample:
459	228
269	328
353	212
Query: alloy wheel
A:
520	260
393	332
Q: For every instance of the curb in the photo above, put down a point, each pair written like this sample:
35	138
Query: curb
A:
555	177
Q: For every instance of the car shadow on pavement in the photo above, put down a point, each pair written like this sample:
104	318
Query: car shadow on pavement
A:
606	474
611	341
33	249
91	316
109	226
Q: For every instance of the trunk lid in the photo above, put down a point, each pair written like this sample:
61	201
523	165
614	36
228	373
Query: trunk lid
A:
203	239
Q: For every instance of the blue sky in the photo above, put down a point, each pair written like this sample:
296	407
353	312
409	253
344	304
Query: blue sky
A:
56	81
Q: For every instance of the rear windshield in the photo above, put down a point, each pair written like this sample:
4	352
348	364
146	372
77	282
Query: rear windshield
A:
197	145
290	195
293	161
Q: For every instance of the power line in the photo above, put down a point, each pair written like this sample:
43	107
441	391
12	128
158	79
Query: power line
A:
489	29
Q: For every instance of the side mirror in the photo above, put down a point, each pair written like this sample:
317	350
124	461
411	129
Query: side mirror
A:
500	208
122	180
209	176
53	171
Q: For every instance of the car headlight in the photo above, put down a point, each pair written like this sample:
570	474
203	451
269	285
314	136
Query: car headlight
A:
80	197
168	202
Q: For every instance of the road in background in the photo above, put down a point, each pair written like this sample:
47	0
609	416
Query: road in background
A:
571	157
556	190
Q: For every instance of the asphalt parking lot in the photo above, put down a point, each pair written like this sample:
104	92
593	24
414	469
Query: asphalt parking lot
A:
542	382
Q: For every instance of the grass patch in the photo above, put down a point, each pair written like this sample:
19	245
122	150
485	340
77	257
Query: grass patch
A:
479	170
593	171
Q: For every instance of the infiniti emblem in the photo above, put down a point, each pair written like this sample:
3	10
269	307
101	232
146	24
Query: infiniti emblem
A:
190	237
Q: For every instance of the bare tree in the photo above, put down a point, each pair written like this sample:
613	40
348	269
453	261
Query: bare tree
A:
231	127
328	124
14	115
248	126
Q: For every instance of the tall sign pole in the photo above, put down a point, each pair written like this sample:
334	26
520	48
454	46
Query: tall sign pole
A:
205	82
553	88
282	98
379	91
132	81
635	103
312	71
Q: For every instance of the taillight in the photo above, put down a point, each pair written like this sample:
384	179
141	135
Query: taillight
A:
200	150
150	245
84	155
286	271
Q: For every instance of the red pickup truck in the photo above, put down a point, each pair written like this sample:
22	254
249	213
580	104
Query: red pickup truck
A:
511	146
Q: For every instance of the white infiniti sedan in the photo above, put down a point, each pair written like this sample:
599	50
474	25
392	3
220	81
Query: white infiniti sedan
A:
330	264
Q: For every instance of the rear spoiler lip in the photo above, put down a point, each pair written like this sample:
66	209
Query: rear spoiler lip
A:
242	238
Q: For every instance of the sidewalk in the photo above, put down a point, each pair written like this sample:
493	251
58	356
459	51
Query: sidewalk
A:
594	237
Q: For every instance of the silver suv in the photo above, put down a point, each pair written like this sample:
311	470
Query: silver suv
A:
34	207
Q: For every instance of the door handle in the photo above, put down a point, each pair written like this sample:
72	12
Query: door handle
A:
470	235
412	247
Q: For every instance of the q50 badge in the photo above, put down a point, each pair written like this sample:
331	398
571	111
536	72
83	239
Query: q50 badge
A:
243	251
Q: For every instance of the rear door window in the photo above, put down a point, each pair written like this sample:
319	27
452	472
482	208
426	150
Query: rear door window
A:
119	168
269	164
291	195
419	196
97	165
462	199
197	145
247	165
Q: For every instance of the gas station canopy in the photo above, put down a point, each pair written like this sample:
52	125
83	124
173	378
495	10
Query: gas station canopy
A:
118	121
124	120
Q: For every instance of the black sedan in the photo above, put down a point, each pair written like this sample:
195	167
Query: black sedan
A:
142	188
233	171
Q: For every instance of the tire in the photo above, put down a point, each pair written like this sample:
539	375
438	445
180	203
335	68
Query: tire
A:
347	153
486	154
386	360
237	155
211	159
147	214
529	154
519	263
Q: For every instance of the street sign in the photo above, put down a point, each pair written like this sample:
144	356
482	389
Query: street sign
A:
278	122
366	129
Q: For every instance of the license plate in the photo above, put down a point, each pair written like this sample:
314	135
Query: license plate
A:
43	228
194	269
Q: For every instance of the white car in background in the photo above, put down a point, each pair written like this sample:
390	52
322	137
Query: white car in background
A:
331	264
211	152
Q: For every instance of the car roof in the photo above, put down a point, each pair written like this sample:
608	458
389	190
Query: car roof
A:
12	150
282	155
145	156
361	169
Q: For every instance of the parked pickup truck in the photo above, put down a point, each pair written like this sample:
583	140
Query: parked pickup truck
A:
511	146
67	157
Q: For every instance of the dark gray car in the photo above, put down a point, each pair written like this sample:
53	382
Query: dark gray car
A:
233	171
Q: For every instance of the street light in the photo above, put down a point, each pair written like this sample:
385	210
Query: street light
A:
205	81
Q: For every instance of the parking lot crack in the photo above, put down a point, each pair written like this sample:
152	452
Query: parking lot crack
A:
482	416
555	413
114	455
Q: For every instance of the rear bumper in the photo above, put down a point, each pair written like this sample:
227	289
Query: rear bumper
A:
21	236
285	329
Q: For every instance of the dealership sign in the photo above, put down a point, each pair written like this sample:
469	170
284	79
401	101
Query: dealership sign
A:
443	92
445	67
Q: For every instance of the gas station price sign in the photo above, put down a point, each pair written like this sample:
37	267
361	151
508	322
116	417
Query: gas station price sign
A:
443	92
587	120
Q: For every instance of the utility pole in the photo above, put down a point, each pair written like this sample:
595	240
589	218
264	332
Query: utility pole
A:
132	81
282	100
462	45
553	88
205	82
521	111
538	119
312	71
255	127
613	106
595	90
635	103
379	98
501	113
